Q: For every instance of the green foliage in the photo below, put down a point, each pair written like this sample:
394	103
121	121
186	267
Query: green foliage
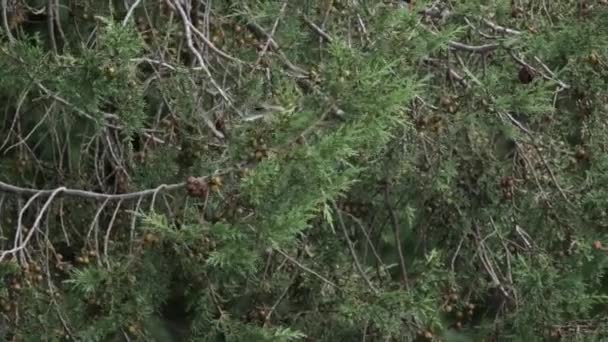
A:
333	171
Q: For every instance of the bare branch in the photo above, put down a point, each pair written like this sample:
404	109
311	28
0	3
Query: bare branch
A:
547	74
295	262
34	226
317	29
5	187
199	57
5	22
353	253
106	241
130	12
500	29
396	228
471	48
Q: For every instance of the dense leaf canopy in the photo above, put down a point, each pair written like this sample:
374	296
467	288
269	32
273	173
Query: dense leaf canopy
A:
336	170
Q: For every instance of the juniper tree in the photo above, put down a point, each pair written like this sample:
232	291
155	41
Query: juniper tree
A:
314	170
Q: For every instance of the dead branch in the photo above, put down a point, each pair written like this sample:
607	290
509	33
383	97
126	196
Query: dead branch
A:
304	268
317	29
500	29
9	188
18	247
353	253
472	48
396	228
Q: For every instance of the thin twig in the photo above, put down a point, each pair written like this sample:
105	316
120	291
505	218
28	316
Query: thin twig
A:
213	47
133	222
272	32
295	262
7	29
456	254
95	226
5	187
34	226
367	238
106	241
259	31
2	198
130	12
50	10
199	57
24	139
283	294
547	74
500	29
542	158
471	48
353	253
317	29
20	103
396	228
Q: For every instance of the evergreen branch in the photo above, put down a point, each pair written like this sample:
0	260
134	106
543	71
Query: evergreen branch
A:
106	115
